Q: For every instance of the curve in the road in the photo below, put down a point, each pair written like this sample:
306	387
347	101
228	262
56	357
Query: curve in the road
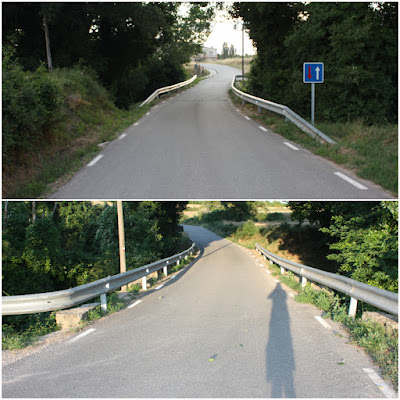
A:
225	328
197	145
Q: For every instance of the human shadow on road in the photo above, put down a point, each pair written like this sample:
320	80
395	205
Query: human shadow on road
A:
279	351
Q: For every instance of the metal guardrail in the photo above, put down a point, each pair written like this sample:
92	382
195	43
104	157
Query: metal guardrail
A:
379	298
167	89
282	110
51	301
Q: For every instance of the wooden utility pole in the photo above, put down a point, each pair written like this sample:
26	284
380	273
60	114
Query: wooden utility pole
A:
242	54
33	212
47	38
5	216
121	235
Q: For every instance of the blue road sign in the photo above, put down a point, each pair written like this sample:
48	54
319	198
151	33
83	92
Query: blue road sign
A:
313	72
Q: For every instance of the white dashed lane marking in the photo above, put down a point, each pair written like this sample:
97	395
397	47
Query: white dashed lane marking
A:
322	322
81	335
262	128
135	303
95	160
352	181
382	385
291	145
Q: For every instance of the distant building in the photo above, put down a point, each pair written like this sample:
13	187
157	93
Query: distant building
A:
208	53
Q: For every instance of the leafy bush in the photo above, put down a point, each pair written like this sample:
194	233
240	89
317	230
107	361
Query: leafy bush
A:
276	217
248	229
31	102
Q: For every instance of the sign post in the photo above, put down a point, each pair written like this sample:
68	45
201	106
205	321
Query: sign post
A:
313	72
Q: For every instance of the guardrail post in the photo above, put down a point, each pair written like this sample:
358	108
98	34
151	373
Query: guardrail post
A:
165	270
178	262
303	281
103	301
259	109
144	283
353	307
283	271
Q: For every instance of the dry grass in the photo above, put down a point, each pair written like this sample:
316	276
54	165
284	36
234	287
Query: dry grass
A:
235	63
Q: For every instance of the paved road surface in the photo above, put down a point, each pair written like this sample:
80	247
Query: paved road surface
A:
197	145
224	307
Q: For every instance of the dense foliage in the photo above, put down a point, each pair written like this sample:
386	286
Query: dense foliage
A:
356	41
134	47
52	246
362	237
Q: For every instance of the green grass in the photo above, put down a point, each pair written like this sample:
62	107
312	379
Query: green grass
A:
369	151
60	161
17	336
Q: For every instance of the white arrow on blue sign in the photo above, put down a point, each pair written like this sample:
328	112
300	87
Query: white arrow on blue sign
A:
313	72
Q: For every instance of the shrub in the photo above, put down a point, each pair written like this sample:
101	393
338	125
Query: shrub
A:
248	229
31	101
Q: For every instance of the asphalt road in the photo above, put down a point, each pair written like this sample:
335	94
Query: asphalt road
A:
197	145
222	327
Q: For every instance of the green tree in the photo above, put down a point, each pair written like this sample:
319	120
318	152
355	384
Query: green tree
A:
117	40
367	251
356	41
358	44
225	51
77	242
362	237
268	25
232	51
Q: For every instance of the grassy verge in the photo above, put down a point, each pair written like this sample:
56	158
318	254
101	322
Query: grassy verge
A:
378	341
35	326
371	152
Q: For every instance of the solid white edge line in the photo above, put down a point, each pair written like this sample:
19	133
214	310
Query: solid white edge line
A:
290	145
159	287
94	161
382	385
135	303
81	335
122	136
262	128
352	181
322	322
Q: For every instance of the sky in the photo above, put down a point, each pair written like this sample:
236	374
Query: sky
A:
223	31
